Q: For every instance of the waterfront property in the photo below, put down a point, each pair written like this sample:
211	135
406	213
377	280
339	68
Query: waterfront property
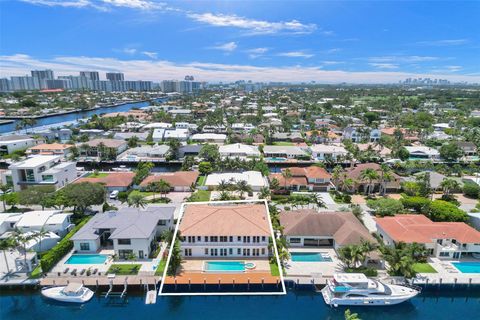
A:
11	143
284	152
98	148
181	181
327	151
42	170
443	240
57	149
146	153
128	231
253	179
308	228
239	150
361	184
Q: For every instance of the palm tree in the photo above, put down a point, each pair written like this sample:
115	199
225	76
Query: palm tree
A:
264	193
136	200
21	239
39	235
367	247
274	184
6	245
242	186
386	176
318	201
223	185
448	185
4	188
348	185
286	175
336	174
164	187
370	175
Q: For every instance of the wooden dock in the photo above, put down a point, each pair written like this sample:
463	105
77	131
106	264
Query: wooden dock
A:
101	281
238	278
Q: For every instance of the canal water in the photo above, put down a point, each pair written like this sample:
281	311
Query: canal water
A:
442	305
10	127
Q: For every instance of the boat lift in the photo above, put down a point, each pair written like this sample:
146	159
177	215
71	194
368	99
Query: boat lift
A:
151	296
122	294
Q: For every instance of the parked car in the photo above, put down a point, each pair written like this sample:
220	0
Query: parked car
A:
114	194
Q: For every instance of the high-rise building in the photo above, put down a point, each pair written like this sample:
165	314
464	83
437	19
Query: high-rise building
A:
4	85
115	76
43	74
78	83
168	86
58	83
25	83
92	75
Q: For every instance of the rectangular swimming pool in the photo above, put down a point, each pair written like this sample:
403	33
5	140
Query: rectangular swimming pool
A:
467	267
224	266
310	257
86	259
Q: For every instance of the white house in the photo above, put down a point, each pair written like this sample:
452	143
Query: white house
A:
288	152
324	151
253	179
42	170
128	231
11	143
229	230
209	137
239	150
423	152
49	220
146	153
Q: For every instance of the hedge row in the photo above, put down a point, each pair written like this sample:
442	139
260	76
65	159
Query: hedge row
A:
64	246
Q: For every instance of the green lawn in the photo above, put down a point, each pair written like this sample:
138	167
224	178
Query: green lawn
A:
283	143
36	273
200	196
161	267
124	269
423	268
274	269
201	180
97	175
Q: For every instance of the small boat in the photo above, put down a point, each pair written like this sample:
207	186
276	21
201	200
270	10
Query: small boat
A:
355	289
73	292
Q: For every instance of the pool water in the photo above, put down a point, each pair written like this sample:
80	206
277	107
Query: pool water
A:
86	259
225	266
310	257
467	267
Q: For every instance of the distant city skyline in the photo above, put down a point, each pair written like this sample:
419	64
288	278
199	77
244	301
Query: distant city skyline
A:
326	42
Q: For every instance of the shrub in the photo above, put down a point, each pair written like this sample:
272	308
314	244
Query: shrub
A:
368	271
55	254
440	210
386	206
416	203
471	190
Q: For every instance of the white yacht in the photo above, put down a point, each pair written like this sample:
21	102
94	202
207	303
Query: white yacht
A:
350	289
73	292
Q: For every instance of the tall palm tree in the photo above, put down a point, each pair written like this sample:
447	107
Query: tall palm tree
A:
386	177
264	193
164	187
286	175
448	185
21	239
4	188
6	245
39	235
370	175
223	185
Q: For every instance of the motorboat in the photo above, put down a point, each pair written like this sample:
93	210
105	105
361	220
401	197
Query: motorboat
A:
73	292
355	289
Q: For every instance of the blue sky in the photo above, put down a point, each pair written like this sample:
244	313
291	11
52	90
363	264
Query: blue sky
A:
329	41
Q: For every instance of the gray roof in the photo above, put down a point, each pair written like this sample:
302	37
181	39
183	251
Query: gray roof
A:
128	223
14	137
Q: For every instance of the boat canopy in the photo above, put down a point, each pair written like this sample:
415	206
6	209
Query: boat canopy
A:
72	288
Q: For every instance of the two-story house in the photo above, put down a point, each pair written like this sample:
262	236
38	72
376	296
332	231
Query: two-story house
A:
311	178
225	230
42	170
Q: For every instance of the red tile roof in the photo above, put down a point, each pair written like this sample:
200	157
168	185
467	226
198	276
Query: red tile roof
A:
418	228
225	220
175	179
114	179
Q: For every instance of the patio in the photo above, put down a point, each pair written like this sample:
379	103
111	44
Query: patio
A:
313	268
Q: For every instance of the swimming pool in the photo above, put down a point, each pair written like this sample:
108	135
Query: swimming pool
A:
467	267
224	266
310	257
86	259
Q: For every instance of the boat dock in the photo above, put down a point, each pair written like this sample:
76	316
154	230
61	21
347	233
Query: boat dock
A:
101	281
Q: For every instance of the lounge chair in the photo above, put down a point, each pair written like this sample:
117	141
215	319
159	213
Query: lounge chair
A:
94	271
66	270
74	272
82	272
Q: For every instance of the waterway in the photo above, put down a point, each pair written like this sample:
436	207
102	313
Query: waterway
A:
438	305
72	117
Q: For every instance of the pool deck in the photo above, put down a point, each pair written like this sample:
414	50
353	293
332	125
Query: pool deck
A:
447	273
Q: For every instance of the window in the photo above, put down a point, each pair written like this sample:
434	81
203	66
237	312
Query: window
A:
188	252
239	251
263	239
85	246
162	223
444	254
231	239
230	251
263	251
206	239
239	238
295	240
199	238
206	251
124	241
47	178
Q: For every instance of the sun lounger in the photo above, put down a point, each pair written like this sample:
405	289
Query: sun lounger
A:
94	271
66	270
82	272
74	272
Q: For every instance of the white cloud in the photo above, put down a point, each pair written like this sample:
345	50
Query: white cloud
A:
135	4
102	5
251	25
150	54
331	63
227	47
130	51
20	64
60	3
296	54
256	52
399	58
384	65
446	42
